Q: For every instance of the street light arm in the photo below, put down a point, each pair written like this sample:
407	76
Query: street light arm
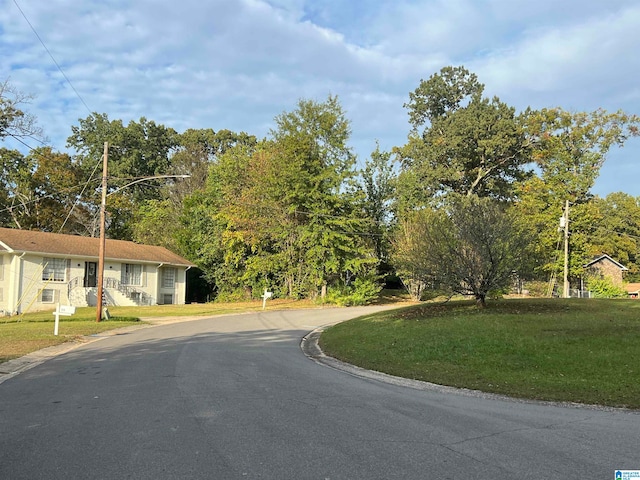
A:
103	204
142	179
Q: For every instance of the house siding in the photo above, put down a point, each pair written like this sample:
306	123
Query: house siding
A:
607	269
23	255
22	283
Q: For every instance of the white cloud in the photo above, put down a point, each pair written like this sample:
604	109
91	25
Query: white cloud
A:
238	63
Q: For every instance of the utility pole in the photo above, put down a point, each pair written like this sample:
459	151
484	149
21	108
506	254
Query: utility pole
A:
103	205
565	291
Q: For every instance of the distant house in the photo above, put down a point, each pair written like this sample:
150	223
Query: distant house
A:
633	290
606	267
39	269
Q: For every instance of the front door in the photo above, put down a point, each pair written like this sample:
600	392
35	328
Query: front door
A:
90	274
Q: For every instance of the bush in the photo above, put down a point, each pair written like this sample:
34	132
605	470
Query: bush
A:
605	288
536	288
232	296
361	292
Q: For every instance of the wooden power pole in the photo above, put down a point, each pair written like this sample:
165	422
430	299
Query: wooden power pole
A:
565	290
103	205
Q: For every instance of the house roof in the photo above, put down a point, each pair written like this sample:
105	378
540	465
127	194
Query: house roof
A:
607	257
632	287
14	240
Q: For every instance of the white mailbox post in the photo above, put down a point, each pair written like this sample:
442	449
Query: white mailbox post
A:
264	298
66	310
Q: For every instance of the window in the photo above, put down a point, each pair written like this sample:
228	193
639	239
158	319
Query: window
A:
168	277
167	299
47	295
54	269
1	267
1	296
131	274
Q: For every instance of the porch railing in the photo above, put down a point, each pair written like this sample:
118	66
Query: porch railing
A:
129	291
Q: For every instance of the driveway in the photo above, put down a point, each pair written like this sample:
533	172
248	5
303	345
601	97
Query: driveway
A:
235	397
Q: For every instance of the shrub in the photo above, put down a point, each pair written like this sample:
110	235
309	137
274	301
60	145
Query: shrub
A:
602	287
361	292
537	288
232	296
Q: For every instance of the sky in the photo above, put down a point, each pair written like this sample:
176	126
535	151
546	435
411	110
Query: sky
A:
236	64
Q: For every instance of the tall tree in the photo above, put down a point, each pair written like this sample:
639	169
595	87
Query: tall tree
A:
285	213
157	221
461	142
42	192
570	148
141	149
377	179
617	231
207	234
319	167
539	210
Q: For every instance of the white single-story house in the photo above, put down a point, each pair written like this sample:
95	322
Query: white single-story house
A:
40	269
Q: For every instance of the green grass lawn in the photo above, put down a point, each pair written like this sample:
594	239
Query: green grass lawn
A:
580	350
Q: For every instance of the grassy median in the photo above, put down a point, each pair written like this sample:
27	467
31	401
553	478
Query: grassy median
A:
548	349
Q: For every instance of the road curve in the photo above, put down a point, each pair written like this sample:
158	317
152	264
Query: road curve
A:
235	397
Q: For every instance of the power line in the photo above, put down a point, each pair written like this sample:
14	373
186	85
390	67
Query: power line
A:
52	58
79	196
235	204
52	195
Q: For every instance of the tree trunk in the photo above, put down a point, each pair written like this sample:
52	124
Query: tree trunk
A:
480	300
290	286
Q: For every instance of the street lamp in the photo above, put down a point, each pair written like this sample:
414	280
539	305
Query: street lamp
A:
103	205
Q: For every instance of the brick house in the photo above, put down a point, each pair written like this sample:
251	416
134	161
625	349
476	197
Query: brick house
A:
606	267
39	269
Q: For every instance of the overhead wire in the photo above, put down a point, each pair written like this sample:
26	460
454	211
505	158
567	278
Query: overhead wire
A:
35	32
135	178
52	58
80	196
52	195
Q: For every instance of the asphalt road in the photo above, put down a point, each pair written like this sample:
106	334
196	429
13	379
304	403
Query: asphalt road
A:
234	398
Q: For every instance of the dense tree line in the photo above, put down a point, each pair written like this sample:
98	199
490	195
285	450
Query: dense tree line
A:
473	196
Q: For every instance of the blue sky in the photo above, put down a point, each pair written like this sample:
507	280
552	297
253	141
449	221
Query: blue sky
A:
238	63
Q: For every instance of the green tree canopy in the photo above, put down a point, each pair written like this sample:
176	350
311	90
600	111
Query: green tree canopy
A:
157	220
570	148
617	230
42	191
378	185
141	149
284	214
461	142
